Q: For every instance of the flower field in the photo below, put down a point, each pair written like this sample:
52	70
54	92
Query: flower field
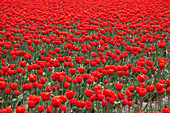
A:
85	56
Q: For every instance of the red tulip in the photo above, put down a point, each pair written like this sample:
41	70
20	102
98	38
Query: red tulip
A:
104	102
13	86
166	110
56	102
168	90
7	91
81	70
141	77
31	104
124	101
88	93
3	85
121	95
66	85
17	93
45	96
20	109
131	88
160	86
32	78
73	71
119	86
22	63
40	108
49	109
63	108
70	94
142	92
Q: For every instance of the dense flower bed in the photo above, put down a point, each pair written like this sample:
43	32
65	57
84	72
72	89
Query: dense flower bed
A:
87	56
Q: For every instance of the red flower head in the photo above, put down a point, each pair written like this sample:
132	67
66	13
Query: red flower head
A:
43	80
17	93
63	108
81	70
49	109
22	63
73	71
166	110
68	79
121	95
20	109
56	102
79	78
142	92
130	103
168	90
31	104
45	96
40	108
131	88
150	88
3	85
70	94
7	110
119	86
124	101
7	91
141	77
13	86
168	82
110	72
66	85
88	93
104	102
160	86
32	78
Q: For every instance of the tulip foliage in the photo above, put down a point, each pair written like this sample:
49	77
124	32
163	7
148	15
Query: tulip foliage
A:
87	56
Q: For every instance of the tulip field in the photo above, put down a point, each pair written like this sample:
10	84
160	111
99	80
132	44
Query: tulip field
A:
84	56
